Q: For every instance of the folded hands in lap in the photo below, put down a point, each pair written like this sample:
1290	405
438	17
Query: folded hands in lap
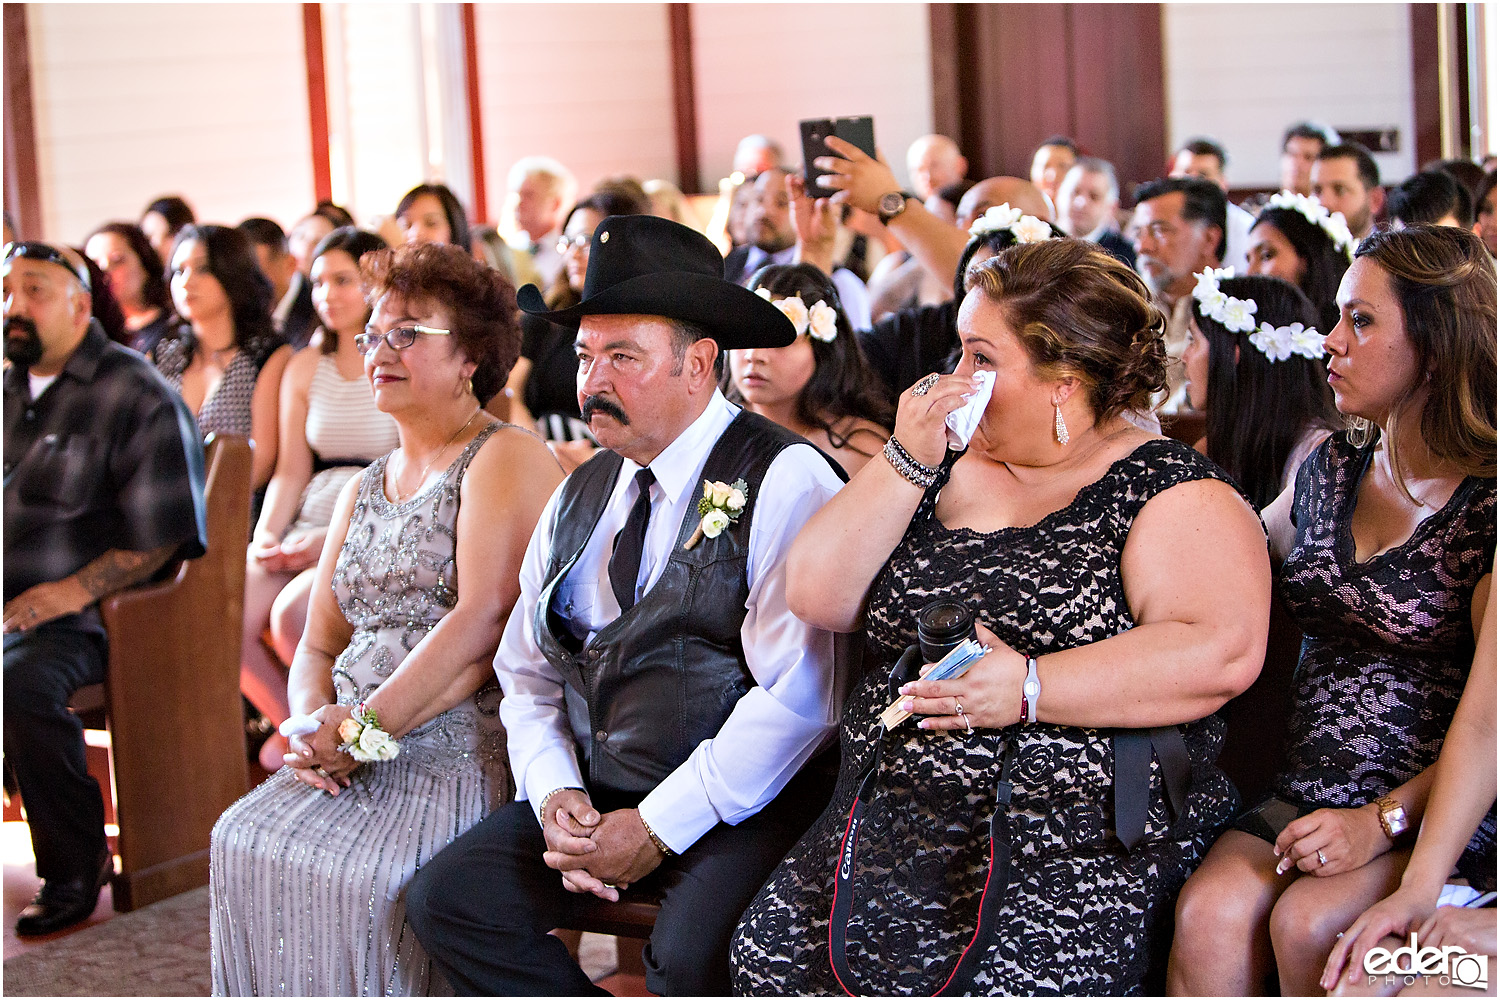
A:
316	759
1347	838
598	854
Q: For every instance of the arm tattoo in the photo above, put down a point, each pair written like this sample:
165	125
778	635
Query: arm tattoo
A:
120	568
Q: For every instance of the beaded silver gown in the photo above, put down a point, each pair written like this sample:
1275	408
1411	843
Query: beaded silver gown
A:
308	890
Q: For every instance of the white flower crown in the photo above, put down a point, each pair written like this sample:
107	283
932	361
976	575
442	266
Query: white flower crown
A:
1238	316
821	322
1311	209
1025	228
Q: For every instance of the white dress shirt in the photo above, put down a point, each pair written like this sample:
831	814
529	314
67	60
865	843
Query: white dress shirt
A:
1237	240
771	731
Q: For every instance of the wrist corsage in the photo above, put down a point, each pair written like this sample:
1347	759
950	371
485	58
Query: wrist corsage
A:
363	738
720	507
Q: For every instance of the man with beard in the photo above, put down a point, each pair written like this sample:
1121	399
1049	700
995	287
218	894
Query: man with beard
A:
1179	230
660	698
103	484
768	226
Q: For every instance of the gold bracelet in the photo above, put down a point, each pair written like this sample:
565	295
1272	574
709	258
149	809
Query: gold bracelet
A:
542	810
660	844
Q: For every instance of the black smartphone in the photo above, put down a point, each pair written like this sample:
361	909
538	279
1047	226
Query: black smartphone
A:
858	129
1268	819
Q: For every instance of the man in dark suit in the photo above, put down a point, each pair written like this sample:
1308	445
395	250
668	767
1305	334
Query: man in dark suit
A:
1087	201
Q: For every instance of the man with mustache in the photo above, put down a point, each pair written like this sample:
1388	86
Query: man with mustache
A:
1180	228
103	484
660	699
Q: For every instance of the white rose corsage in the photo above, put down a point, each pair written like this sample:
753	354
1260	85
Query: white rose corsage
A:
720	506
363	738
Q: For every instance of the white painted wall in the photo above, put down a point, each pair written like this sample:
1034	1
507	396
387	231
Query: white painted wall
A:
1243	72
133	101
763	67
587	84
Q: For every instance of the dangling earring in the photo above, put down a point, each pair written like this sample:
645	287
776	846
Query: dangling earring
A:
1060	427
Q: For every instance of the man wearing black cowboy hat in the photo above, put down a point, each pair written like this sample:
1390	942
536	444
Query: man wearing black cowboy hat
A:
660	699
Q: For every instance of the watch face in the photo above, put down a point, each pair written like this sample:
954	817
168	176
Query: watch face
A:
892	203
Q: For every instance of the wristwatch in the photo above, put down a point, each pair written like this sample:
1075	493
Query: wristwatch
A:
1392	816
893	204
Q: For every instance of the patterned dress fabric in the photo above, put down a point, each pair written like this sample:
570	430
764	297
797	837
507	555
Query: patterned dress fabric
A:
307	889
1389	641
226	408
1080	915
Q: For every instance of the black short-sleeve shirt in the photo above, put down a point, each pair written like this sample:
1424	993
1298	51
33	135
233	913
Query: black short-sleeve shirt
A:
107	457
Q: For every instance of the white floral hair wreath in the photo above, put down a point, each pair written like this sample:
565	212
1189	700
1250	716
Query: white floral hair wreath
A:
1025	228
1311	209
819	322
1238	316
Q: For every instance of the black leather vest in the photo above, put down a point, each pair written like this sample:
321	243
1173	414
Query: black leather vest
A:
662	677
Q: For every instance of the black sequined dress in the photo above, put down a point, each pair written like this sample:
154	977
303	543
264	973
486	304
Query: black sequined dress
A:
1080	915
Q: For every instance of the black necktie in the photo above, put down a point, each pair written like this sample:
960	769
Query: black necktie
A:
630	543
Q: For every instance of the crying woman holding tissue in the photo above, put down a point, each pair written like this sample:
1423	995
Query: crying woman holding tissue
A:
1027	829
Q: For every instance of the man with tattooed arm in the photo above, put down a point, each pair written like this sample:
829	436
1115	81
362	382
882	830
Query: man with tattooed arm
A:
103	484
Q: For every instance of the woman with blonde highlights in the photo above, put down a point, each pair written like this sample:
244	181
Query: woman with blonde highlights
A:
1080	543
1389	542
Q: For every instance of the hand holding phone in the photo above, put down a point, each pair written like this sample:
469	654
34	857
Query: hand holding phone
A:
859	130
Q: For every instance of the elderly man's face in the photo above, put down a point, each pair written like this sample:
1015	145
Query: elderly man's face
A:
932	166
46	311
538	206
634	389
1171	249
768	215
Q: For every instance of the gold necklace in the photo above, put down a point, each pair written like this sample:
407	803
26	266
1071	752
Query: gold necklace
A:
428	467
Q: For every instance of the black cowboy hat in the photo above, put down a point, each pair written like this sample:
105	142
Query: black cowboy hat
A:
640	264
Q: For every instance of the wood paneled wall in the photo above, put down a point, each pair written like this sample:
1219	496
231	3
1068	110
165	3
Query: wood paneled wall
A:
1007	76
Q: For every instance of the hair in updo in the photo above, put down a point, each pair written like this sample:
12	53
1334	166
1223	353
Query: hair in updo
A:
1080	313
480	300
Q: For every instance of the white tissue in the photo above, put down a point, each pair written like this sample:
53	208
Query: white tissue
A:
299	725
962	422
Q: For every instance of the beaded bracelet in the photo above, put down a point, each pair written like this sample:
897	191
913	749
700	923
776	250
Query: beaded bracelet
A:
911	470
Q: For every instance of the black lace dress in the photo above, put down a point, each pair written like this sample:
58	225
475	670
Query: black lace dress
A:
1081	915
1389	641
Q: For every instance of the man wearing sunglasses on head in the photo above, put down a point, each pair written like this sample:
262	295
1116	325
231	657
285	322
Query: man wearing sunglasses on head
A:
104	483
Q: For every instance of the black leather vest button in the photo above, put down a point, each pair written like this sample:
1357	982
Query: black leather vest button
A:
601	736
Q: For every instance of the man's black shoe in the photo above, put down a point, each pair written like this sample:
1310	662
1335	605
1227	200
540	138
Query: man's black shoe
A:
64	902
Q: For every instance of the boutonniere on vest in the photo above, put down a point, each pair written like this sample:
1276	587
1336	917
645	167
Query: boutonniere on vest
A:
720	507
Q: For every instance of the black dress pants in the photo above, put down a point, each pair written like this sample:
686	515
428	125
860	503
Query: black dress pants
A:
482	908
44	745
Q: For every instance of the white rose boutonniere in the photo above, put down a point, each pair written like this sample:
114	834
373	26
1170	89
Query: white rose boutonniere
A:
720	507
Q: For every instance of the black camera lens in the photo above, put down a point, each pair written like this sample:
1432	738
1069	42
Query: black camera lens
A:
941	626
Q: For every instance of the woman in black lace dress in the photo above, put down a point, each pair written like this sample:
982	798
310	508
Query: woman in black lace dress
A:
1389	544
1079	540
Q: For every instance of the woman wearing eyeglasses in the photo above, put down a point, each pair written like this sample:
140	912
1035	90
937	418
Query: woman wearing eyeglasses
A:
545	379
330	430
398	746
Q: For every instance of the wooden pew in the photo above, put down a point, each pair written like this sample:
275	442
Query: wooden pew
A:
172	697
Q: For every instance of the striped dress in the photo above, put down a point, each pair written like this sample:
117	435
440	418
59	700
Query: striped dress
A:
308	890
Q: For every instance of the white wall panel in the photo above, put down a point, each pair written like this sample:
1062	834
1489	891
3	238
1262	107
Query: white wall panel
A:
588	84
762	67
133	101
1229	76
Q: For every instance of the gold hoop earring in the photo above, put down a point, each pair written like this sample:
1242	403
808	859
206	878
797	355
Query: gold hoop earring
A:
1059	427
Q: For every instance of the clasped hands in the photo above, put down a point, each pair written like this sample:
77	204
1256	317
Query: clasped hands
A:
599	854
989	692
292	554
316	759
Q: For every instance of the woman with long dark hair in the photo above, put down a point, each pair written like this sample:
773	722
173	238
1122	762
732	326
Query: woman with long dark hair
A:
1388	539
330	430
1295	239
136	279
227	359
819	385
432	213
1260	379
